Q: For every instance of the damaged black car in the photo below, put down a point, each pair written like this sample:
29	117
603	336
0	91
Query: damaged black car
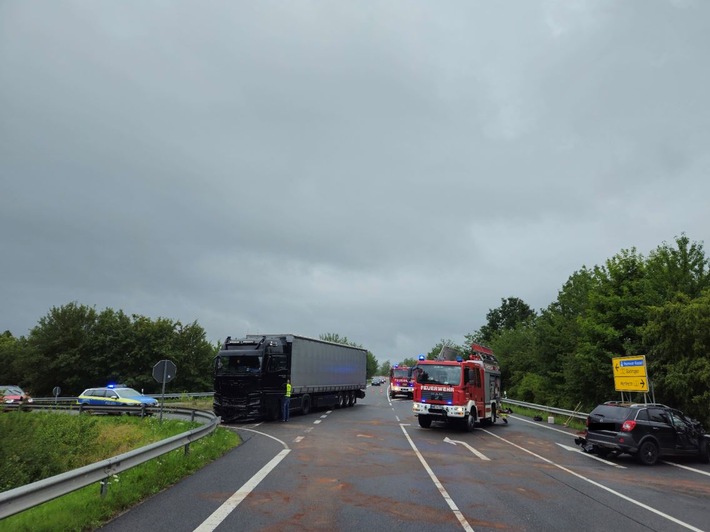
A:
646	431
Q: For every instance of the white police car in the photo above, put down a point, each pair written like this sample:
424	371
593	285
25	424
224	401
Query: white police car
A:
115	395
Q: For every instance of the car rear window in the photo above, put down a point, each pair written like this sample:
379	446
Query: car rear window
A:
610	412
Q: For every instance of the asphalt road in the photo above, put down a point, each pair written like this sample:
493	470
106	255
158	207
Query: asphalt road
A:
371	467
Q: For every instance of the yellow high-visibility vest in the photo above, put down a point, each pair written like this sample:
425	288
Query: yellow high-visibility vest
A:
288	390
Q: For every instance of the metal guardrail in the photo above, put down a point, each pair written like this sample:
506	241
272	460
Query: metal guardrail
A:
16	500
45	400
549	409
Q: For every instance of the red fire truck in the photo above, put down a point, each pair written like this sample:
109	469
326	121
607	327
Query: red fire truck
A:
453	390
401	381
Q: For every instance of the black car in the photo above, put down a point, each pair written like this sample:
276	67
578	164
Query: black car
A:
647	431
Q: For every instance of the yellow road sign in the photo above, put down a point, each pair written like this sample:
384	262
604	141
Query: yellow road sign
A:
629	366
631	384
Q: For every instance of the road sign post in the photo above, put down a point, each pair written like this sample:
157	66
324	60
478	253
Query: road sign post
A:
163	372
55	392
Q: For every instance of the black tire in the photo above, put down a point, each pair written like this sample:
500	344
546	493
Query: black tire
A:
648	453
341	400
470	423
424	421
705	451
306	405
351	399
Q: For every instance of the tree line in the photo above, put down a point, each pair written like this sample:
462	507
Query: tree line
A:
77	347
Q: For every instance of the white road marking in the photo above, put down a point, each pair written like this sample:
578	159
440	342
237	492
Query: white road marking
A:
228	506
700	471
439	485
598	459
317	421
598	485
298	439
474	451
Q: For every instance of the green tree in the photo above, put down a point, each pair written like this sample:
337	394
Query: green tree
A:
513	347
76	347
59	350
680	270
12	352
557	336
385	368
677	336
511	312
372	365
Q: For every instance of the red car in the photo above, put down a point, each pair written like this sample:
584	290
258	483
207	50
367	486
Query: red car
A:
10	393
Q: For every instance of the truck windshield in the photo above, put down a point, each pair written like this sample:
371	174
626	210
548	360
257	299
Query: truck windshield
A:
237	364
433	374
400	373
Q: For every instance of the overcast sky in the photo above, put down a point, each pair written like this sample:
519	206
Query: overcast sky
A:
387	171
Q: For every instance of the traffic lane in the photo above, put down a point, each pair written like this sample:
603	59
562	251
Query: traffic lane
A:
537	480
557	443
678	489
188	503
352	471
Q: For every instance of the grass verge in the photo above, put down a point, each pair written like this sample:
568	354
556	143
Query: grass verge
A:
86	508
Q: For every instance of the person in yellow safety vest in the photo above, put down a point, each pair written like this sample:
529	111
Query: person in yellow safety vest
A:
286	401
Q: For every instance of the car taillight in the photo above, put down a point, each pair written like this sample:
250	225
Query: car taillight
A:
628	426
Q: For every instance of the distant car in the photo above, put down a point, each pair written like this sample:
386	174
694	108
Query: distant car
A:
115	395
10	393
646	431
375	381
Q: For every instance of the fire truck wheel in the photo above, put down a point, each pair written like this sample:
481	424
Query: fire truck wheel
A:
470	423
424	421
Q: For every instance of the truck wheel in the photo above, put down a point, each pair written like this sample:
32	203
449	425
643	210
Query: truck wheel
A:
648	453
470	423
424	421
306	405
351	399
